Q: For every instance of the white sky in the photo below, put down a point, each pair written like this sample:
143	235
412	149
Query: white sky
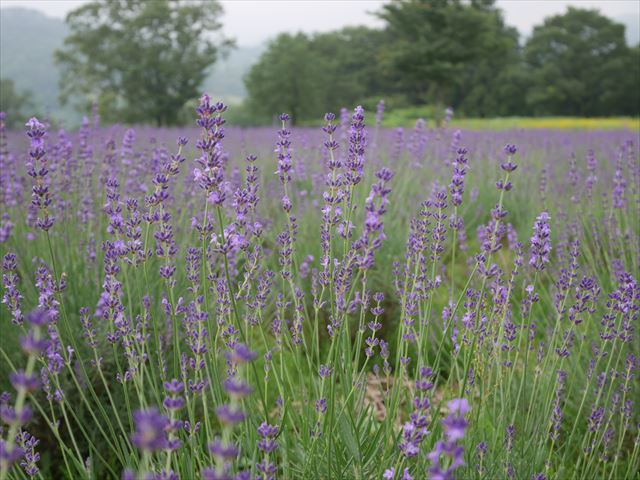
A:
251	22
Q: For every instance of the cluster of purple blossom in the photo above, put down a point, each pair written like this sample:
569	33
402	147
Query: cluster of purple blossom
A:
183	287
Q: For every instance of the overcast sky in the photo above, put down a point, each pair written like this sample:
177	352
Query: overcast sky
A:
251	22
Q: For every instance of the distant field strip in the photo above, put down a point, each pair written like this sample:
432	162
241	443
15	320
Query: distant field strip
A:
400	118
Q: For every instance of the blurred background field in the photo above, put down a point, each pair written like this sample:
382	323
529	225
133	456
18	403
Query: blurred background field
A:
406	118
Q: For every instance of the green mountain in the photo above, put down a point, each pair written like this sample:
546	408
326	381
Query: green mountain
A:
28	39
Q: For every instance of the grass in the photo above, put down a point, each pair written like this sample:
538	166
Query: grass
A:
406	117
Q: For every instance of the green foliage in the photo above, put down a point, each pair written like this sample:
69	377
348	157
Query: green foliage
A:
286	78
307	76
27	41
142	61
452	52
350	59
13	103
441	47
580	64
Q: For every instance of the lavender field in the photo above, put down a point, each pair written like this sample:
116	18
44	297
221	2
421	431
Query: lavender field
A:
341	302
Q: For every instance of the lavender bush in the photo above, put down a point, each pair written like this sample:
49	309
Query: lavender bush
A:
343	302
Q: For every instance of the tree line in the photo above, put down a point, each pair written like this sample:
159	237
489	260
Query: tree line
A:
144	62
454	53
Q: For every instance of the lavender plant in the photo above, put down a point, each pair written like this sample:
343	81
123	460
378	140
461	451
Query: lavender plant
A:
351	303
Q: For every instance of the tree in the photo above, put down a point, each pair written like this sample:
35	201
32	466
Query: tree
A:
309	76
492	83
437	45
13	103
140	60
288	77
351	65
580	64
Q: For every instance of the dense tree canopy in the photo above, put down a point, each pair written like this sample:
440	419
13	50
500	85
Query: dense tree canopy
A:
140	60
453	52
286	78
580	64
439	45
144	61
308	75
350	59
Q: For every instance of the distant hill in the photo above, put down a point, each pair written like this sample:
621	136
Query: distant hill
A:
225	79
28	39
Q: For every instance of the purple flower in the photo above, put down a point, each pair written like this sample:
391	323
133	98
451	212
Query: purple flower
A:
150	430
448	115
241	354
482	449
229	415
210	175
9	454
510	149
236	388
455	424
267	431
38	170
21	381
509	166
283	150
509	438
9	415
557	415
128	474
618	199
174	387
454	429
12	297
414	431
324	371
357	144
173	403
456	187
375	207
28	443
225	451
540	242
38	317
32	344
267	435
6	226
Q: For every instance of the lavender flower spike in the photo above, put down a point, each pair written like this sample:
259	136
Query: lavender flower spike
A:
540	242
37	169
150	434
454	430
